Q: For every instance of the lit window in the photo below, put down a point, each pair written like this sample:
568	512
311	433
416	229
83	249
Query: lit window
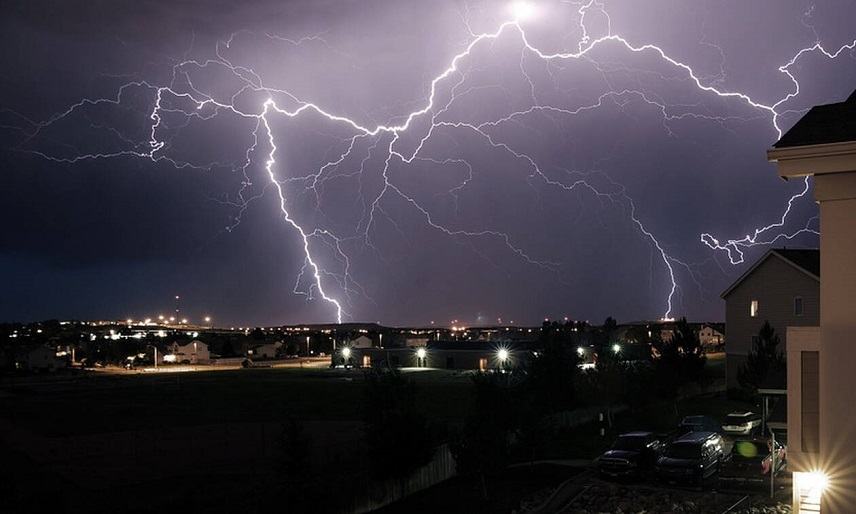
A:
798	306
753	308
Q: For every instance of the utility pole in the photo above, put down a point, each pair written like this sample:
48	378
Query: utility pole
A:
772	462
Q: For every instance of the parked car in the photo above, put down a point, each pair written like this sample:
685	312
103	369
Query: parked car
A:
630	455
741	423
751	459
698	424
692	458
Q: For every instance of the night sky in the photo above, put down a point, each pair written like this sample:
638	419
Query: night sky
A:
160	188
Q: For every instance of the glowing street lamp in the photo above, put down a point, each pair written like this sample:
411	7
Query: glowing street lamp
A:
616	348
580	351
346	356
420	357
502	355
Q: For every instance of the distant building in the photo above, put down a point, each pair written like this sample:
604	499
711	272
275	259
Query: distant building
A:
194	352
782	287
39	358
710	337
361	342
461	355
264	350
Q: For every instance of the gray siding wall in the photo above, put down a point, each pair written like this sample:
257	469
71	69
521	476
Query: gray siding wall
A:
774	284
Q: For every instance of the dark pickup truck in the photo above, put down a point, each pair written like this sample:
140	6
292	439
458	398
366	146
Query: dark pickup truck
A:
630	455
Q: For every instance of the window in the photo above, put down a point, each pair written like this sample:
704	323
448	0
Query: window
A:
753	309
482	364
798	306
810	401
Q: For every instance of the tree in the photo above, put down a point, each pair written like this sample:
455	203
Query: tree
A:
397	435
765	365
679	361
551	374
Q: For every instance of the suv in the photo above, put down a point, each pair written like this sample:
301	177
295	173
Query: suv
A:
630	454
692	457
741	423
698	424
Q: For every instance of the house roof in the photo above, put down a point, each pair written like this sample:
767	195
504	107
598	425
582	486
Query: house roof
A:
823	124
805	260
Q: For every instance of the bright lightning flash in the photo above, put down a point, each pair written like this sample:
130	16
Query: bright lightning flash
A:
445	88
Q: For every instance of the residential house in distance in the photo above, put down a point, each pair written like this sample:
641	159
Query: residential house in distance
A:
711	337
361	342
782	287
39	358
194	352
264	350
822	358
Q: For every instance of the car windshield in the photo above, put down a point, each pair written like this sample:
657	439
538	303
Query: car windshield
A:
749	450
733	419
684	451
629	443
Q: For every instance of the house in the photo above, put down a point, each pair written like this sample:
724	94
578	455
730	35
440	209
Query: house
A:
783	288
361	342
710	337
264	350
39	358
194	352
461	355
822	358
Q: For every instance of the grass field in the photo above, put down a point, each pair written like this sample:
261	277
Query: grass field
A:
98	438
98	402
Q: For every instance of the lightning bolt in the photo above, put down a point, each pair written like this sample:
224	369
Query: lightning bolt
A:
181	98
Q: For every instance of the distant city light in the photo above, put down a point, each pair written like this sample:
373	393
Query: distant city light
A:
207	319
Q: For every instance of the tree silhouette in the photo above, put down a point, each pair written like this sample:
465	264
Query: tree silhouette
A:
679	360
765	365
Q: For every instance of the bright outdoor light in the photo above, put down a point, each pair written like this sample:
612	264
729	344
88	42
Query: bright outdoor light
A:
420	353
616	348
346	353
816	481
580	351
207	319
502	354
522	10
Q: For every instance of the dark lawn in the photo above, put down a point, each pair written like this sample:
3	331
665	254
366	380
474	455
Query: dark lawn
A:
98	402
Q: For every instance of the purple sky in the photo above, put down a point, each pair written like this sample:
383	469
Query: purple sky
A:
530	185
